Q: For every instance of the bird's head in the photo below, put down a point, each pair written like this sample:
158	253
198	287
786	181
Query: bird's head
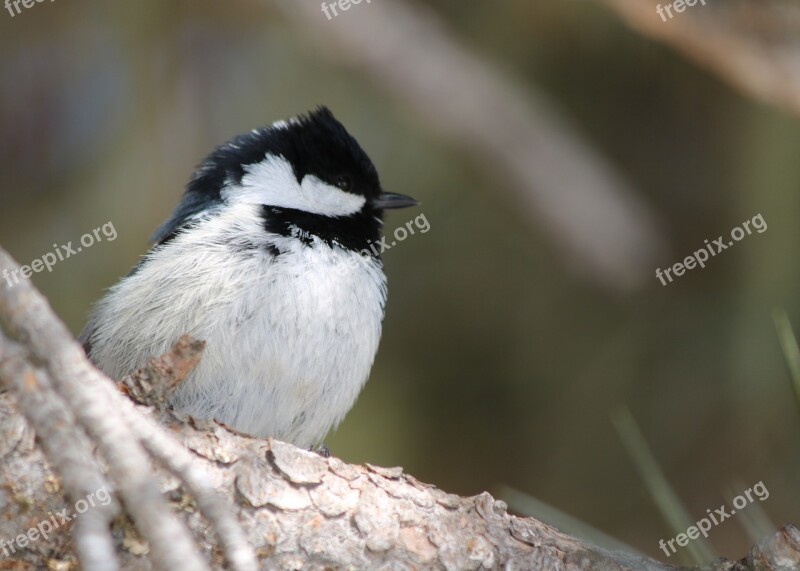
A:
305	173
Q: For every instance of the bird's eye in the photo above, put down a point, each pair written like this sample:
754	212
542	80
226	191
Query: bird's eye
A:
344	182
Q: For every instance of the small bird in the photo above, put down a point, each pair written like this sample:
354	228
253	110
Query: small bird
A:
268	258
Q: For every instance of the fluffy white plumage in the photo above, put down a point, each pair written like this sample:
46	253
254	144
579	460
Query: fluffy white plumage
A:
267	259
308	320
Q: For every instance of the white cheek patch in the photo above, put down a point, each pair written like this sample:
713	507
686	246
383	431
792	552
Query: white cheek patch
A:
328	199
272	183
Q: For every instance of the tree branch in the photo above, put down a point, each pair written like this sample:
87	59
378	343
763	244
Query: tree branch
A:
68	449
294	508
91	398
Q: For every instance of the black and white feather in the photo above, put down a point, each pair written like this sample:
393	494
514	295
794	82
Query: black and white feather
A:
267	259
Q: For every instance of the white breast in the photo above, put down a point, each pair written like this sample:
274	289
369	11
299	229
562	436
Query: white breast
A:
291	338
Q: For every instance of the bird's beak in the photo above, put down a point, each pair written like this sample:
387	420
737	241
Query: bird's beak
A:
388	200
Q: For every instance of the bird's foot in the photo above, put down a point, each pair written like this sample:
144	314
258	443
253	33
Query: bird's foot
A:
322	450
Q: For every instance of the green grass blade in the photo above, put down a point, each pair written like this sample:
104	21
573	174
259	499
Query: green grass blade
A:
790	348
528	505
663	495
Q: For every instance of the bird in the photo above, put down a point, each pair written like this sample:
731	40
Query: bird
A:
267	258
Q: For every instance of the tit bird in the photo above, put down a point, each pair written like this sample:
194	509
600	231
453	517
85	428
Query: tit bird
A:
267	258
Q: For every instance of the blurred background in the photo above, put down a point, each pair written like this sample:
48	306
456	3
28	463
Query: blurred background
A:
562	151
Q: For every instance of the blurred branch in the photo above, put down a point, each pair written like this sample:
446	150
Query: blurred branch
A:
751	45
599	223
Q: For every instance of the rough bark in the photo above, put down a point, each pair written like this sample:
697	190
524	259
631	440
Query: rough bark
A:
236	497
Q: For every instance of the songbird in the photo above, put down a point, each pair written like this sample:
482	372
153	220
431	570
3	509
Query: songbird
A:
267	258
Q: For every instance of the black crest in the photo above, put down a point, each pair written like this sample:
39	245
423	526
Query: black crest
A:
314	144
